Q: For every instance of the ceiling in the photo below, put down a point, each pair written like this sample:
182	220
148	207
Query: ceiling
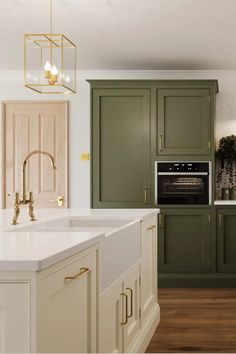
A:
127	34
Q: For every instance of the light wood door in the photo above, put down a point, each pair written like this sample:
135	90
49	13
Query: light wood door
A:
149	267
29	126
14	317
67	308
132	327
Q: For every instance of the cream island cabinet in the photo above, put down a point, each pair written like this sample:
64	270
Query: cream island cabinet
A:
55	302
129	312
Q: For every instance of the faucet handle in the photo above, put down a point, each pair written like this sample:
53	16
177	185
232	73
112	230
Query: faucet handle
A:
31	207
16	205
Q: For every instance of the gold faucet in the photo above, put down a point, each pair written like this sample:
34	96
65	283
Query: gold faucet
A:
24	200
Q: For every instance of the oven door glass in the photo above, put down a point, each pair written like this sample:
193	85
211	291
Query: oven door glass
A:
191	189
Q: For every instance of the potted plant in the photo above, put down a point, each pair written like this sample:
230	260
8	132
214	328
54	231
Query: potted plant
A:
226	172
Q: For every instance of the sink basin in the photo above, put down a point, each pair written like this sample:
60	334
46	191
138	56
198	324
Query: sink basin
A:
71	224
122	241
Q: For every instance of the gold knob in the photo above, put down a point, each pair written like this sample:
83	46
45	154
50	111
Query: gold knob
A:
59	200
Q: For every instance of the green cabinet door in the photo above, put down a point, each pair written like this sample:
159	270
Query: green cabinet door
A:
184	241
184	121
120	148
226	240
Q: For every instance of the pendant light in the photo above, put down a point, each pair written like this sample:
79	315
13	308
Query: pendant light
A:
50	62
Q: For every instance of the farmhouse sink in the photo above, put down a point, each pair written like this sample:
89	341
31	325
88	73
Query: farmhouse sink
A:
122	241
73	224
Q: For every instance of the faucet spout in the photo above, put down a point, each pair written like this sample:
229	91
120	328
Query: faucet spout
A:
24	165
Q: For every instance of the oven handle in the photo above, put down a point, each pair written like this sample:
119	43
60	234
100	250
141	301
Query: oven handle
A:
183	173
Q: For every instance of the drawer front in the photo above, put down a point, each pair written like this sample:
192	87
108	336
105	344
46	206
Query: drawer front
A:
67	306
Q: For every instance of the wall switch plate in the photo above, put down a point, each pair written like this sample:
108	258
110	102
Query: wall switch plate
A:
84	156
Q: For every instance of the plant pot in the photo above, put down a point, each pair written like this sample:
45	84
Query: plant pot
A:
225	193
233	193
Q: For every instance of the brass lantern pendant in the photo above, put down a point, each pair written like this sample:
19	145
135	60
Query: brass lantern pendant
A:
50	62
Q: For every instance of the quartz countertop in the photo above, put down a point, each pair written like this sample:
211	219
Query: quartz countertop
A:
225	202
34	251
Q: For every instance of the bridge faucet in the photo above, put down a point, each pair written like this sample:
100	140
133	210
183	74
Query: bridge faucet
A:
24	200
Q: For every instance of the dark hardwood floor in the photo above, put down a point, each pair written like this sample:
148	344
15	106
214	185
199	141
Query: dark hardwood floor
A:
196	320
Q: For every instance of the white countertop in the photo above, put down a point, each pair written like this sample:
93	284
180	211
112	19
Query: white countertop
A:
34	251
225	202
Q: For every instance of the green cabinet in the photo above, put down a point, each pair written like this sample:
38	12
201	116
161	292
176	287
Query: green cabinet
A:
184	121
185	241
226	240
121	148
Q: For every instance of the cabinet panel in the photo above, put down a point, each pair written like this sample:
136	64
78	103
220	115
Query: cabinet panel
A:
184	118
184	241
110	319
226	240
149	267
121	148
15	326
132	289
67	308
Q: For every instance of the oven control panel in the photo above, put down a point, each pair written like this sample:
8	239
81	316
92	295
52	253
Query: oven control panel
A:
183	167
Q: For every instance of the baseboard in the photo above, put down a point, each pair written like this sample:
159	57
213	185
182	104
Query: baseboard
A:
147	331
197	281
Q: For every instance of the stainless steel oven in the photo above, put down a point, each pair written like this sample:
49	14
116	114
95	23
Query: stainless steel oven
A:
182	183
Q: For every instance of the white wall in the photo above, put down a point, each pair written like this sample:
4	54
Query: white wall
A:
12	88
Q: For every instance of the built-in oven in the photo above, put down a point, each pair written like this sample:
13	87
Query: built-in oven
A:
182	183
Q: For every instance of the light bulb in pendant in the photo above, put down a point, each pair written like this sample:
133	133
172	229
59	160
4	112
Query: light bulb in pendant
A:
47	70
53	76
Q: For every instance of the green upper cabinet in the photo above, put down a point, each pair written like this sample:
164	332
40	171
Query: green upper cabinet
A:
184	121
226	240
121	148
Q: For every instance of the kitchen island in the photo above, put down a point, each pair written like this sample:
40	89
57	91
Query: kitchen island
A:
80	280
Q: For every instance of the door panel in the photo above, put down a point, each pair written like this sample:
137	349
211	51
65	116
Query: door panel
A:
67	309
184	241
132	327
110	319
121	148
149	267
183	122
226	239
36	126
14	317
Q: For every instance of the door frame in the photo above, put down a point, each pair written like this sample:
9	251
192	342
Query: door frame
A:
3	144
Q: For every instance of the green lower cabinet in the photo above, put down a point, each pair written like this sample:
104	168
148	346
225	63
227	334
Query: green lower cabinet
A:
226	240
184	241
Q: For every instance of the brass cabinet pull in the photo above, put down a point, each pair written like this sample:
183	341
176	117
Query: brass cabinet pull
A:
146	199
160	142
161	221
209	218
131	302
126	309
220	221
82	271
151	227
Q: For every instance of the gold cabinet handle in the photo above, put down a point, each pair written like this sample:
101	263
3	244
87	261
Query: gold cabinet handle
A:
81	272
126	309
151	227
131	302
220	221
160	142
161	221
146	199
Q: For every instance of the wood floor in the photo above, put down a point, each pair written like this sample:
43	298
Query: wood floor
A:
196	320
